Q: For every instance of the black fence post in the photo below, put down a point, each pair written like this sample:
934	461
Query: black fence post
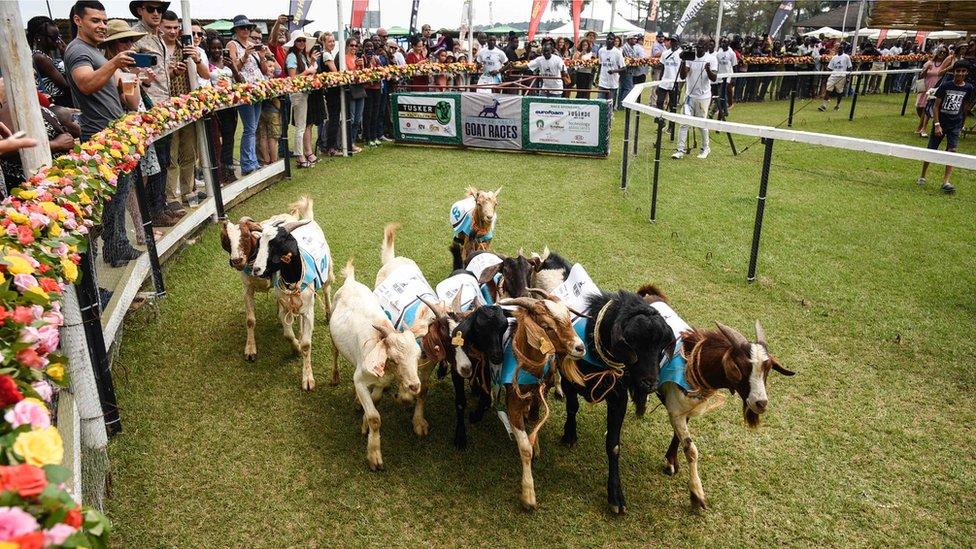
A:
626	149
908	90
283	151
657	167
789	122
209	123
760	209
142	198
88	302
636	128
857	84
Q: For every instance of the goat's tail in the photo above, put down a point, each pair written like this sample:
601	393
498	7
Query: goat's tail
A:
387	254
302	208
349	272
651	290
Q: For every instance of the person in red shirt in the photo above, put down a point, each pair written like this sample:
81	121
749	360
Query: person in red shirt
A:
276	40
417	56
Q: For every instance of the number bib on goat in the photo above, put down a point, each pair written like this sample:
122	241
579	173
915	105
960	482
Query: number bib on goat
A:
575	292
315	256
673	371
462	220
399	295
478	264
462	283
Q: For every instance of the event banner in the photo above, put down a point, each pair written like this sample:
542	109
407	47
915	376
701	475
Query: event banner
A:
538	7
575	126
650	25
492	121
427	117
358	12
576	9
780	17
690	12
298	9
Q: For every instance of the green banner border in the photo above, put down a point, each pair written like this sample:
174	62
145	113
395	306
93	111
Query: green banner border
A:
399	136
603	149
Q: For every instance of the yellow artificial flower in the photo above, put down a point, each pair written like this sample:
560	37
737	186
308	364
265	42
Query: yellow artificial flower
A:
97	146
2	278
37	401
52	210
27	194
17	217
84	198
54	229
106	172
9	545
37	290
18	265
40	447
56	371
69	269
115	153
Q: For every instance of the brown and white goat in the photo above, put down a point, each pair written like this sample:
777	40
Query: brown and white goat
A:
542	331
473	222
364	336
715	360
240	241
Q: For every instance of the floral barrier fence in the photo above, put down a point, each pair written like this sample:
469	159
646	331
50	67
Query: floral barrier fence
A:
747	60
44	225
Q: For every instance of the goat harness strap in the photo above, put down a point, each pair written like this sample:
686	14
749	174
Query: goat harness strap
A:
598	346
693	371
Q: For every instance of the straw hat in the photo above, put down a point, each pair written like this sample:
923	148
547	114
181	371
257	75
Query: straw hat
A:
295	35
117	29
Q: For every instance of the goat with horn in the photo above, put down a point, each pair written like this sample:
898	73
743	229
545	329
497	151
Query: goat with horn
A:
473	221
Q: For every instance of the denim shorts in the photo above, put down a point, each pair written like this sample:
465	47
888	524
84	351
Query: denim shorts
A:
951	136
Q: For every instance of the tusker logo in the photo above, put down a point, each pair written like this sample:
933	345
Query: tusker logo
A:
443	112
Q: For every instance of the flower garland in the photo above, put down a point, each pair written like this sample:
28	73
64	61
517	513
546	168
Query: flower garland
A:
746	60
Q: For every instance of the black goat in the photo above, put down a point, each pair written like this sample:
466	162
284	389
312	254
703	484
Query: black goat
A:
508	278
625	342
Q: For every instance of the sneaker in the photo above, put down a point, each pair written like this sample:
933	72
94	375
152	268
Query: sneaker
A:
355	149
704	153
677	155
836	107
822	108
165	220
920	182
947	188
385	138
175	207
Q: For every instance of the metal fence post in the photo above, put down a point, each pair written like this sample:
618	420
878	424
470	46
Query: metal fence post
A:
283	151
760	209
142	199
857	84
789	122
636	128
626	150
209	122
908	90
657	167
88	301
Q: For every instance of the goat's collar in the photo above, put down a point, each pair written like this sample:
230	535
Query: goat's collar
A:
598	346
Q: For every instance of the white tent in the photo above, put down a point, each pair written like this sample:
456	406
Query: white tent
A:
599	9
828	32
945	35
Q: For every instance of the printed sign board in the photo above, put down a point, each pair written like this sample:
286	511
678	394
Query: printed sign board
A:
427	117
565	125
492	121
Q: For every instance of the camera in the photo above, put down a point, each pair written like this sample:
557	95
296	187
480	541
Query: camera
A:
688	55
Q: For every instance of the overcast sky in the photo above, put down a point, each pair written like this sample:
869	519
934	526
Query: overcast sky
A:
439	13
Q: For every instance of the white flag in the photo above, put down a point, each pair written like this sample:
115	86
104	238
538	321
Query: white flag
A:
690	12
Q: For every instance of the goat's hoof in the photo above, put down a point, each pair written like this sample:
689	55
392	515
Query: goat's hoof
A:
376	467
308	384
529	506
669	470
697	502
334	382
460	444
568	440
250	357
421	428
618	509
559	396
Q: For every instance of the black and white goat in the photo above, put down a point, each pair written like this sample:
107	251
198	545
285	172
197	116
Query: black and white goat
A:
295	255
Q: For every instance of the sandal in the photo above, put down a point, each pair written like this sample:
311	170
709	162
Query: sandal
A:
301	162
311	158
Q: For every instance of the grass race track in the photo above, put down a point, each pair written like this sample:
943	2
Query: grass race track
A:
865	289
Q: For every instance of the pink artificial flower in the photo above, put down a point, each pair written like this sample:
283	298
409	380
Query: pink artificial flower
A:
14	522
25	281
48	338
11	229
56	534
38	220
43	389
26	412
30	358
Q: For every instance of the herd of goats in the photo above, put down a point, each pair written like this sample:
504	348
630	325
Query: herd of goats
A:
507	327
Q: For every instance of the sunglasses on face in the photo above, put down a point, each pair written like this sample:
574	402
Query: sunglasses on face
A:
154	9
199	34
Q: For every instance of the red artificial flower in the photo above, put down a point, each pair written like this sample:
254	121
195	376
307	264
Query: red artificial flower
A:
48	284
4	314
25	235
43	268
29	357
33	540
28	481
23	315
9	393
74	518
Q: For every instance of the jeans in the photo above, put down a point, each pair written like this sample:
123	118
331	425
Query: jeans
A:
333	105
372	115
584	81
156	184
626	84
249	117
227	120
299	105
354	110
113	219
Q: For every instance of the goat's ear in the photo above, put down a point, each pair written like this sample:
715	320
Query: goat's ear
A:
489	273
256	234
420	328
224	238
732	371
535	261
619	346
375	360
292	225
535	335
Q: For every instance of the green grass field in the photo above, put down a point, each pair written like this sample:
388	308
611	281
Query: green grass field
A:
865	289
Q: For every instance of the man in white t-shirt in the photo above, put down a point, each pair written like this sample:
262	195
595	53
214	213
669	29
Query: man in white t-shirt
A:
671	62
551	66
839	65
493	63
612	63
727	62
699	75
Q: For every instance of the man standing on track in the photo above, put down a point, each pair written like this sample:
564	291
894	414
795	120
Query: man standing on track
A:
839	65
952	101
699	75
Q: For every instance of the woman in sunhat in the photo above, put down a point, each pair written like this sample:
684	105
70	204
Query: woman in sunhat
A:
297	63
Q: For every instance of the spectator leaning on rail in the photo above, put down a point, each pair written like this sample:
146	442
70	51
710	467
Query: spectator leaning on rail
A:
493	63
244	56
94	89
953	99
631	50
699	75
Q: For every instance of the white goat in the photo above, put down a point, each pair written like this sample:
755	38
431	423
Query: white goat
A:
364	336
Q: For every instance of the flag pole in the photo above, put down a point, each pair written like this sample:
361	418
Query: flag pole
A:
613	14
471	31
342	89
718	26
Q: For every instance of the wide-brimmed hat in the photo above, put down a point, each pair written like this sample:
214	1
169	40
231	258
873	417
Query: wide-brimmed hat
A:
242	21
636	35
117	29
140	3
295	35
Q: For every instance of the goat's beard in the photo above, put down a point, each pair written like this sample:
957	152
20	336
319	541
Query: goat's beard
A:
752	418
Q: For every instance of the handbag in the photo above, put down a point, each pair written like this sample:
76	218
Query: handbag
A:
919	86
